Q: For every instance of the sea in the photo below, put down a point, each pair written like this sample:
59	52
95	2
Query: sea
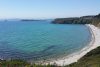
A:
41	40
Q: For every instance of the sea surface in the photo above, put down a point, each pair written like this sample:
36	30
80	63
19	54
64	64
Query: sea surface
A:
39	40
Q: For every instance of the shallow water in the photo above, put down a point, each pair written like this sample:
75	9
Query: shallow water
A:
36	40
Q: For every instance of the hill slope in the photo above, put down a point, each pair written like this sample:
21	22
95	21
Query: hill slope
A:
91	59
95	20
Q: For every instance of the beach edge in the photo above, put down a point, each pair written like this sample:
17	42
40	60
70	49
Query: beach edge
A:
74	57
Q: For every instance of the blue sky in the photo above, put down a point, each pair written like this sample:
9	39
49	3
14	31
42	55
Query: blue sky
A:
48	8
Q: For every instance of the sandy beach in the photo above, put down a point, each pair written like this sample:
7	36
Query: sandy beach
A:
95	42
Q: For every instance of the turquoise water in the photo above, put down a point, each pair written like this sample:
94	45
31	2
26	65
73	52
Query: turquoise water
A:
36	40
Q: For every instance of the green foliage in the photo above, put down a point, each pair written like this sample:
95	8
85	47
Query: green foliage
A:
21	63
91	59
95	20
13	63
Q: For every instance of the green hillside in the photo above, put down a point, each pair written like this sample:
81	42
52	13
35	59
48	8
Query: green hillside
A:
91	59
95	20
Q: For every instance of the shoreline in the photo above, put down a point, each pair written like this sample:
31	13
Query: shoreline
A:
74	57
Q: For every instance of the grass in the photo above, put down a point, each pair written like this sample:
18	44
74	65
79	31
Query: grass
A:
91	59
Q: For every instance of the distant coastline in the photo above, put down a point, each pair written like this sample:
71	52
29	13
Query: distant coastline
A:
92	19
5	20
29	20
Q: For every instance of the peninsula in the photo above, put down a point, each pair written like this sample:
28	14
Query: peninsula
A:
92	19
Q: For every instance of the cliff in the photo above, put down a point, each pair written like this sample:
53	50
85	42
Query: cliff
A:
95	19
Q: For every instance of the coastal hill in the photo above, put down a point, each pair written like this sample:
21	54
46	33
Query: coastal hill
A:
91	59
93	19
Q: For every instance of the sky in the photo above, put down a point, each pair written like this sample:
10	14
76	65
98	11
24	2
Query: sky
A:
48	8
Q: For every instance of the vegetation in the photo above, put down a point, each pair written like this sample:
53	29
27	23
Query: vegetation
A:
13	63
21	63
95	20
91	59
